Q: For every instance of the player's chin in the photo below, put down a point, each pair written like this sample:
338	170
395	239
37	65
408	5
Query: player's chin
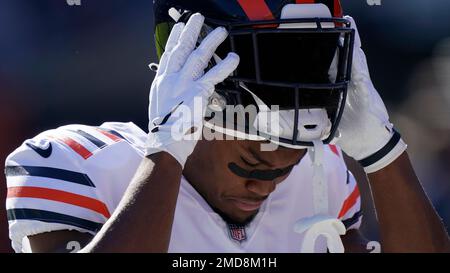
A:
244	217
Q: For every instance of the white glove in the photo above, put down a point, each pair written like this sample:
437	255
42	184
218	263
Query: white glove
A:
365	131
180	81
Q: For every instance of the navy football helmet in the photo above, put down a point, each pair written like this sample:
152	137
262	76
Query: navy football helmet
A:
295	54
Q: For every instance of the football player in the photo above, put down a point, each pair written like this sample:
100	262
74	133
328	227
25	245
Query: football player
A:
116	188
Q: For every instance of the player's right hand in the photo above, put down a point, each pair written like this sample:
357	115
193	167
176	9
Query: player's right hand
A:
366	134
180	80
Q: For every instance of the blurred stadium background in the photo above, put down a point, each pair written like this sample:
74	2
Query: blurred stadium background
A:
62	64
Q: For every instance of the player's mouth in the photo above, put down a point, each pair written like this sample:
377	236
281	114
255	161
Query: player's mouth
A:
246	205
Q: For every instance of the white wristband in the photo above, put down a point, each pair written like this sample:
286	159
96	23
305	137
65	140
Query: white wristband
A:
385	156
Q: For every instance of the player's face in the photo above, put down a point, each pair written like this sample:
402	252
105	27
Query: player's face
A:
235	177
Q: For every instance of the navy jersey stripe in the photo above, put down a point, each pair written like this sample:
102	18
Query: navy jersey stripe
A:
117	134
114	133
97	142
60	174
52	217
351	221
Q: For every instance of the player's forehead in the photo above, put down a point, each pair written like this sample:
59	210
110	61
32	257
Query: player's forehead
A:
260	149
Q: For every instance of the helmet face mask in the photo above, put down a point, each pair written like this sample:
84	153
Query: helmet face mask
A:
286	64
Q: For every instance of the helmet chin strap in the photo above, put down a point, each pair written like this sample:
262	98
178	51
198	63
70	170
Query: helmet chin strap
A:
321	223
320	187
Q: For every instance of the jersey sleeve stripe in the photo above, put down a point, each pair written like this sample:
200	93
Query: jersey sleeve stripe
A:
97	142
60	174
50	183
111	134
60	196
334	149
52	217
349	202
75	146
351	221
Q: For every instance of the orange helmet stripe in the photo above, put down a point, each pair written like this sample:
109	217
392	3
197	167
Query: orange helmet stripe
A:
256	9
305	1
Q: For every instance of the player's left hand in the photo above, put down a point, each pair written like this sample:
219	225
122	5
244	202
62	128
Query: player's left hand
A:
365	131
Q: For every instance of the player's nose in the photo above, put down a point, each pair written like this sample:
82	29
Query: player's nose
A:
260	187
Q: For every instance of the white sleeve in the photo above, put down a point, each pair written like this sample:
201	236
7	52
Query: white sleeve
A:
49	190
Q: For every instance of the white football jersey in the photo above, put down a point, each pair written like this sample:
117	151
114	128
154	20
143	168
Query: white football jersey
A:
73	177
